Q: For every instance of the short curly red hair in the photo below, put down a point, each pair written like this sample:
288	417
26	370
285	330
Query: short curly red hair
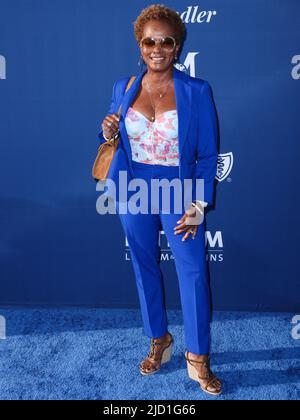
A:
160	12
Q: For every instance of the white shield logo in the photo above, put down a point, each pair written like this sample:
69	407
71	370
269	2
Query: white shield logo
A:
2	328
225	162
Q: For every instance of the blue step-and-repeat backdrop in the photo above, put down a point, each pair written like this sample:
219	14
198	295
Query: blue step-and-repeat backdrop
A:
58	62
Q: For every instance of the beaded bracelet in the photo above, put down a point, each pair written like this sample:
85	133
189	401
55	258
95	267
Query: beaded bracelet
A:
198	208
113	137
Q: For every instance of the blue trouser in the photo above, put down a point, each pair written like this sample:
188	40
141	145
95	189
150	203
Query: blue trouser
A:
142	232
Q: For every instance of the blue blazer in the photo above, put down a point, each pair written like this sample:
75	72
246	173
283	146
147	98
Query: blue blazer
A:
197	130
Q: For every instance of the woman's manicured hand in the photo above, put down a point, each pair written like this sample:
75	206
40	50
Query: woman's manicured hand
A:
188	224
110	125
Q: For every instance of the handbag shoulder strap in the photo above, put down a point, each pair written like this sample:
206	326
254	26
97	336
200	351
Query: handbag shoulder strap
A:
131	80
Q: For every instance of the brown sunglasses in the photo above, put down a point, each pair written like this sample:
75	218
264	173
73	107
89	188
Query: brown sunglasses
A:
168	43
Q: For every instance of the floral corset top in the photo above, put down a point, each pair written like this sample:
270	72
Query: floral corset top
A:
153	142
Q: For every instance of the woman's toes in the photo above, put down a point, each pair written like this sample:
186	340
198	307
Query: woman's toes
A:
146	368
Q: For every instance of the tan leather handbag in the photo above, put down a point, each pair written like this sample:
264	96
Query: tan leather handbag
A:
107	150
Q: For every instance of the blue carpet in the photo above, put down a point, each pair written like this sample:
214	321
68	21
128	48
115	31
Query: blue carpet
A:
95	353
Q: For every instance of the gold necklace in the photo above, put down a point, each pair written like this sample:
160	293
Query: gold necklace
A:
161	95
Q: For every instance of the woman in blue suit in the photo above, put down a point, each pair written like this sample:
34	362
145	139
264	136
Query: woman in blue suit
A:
167	130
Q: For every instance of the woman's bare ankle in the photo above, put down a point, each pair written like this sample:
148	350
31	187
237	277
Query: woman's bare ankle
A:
165	337
199	357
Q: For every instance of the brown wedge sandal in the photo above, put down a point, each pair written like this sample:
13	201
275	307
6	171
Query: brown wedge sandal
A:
212	380
160	352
